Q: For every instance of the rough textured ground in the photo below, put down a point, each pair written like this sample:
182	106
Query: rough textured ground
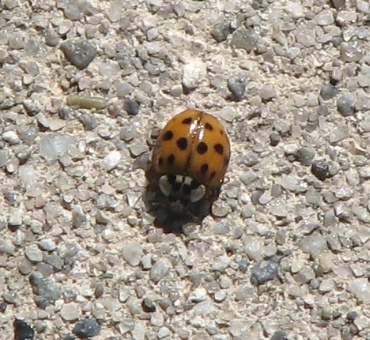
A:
285	254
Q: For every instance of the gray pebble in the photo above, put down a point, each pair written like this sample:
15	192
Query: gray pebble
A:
245	39
47	244
236	85
51	37
313	197
33	253
79	53
132	253
313	244
265	271
111	160
350	52
338	134
70	311
86	328
325	17
360	287
6	247
339	4
328	91
23	154
88	121
346	104
158	271
268	93
132	107
320	169
25	267
305	275
275	139
306	36
243	265
54	260
12	197
305	156
10	137
221	31
47	291
137	149
279	335
192	75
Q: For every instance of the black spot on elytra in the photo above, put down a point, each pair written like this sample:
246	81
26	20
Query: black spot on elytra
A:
202	148
186	189
182	143
226	161
222	132
204	168
208	126
194	184
171	179
187	121
219	149
168	135
170	159
213	174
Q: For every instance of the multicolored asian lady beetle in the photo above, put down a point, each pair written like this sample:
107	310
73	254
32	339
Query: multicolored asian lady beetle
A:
189	161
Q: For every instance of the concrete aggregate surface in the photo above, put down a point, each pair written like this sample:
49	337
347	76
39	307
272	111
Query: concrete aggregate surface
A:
85	88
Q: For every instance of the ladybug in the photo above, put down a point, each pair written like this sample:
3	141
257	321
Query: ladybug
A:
189	161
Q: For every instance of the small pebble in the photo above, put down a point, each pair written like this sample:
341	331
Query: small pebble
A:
22	331
350	52
158	271
10	137
245	39
193	73
79	53
132	253
112	160
132	107
236	85
360	288
264	271
86	328
221	31
70	311
52	146
328	91
346	104
47	292
338	134
148	305
279	335
320	169
268	93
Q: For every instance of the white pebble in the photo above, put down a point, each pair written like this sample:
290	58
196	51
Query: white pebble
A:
361	289
10	137
70	311
132	253
112	160
193	72
51	147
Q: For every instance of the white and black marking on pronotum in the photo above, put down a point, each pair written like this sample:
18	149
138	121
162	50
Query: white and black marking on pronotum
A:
181	188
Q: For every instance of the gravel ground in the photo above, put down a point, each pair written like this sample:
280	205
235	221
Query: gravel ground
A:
85	88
